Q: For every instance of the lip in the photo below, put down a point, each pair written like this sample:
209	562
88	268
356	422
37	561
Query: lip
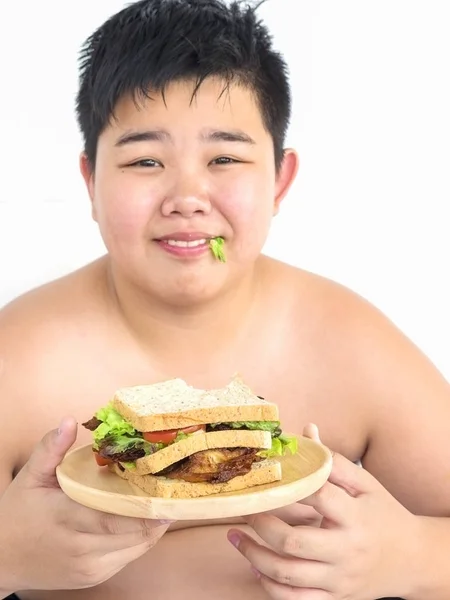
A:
184	252
185	236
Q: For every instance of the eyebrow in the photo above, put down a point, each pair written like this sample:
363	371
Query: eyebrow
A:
134	137
234	135
160	135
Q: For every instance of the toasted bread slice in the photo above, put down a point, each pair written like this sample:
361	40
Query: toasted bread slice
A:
266	471
233	438
173	404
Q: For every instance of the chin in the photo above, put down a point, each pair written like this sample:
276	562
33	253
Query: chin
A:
188	298
186	286
189	291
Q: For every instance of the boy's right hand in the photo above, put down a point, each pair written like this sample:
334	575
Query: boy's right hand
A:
50	542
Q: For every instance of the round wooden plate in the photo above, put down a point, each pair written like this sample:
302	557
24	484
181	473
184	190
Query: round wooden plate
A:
95	487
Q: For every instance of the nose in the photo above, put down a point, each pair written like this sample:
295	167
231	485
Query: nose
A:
187	197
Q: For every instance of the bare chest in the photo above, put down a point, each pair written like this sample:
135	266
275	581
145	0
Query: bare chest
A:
286	374
282	371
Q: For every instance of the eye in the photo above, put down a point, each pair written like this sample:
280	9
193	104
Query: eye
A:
224	160
146	163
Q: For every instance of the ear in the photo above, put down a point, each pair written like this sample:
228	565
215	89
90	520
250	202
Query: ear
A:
88	176
285	177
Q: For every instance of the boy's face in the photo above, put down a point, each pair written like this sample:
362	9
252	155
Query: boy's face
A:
171	171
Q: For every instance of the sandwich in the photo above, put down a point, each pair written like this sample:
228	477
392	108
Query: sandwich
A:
172	440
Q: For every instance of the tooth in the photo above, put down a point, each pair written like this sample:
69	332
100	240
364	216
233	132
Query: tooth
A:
182	244
195	243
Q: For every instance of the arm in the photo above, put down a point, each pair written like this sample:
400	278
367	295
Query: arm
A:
63	539
409	450
5	480
4	575
432	573
383	524
8	447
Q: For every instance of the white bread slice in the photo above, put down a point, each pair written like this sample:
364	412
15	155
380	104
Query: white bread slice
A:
173	404
266	471
233	438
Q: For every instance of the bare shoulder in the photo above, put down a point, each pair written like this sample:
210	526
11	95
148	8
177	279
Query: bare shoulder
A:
333	315
369	363
41	319
346	321
41	333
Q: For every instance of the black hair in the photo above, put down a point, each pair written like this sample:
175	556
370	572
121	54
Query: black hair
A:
151	43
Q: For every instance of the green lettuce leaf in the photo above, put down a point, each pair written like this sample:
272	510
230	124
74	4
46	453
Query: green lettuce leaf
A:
121	435
281	445
130	466
117	445
216	245
113	425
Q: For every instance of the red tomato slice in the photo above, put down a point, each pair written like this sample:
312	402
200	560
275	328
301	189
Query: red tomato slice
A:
102	462
169	435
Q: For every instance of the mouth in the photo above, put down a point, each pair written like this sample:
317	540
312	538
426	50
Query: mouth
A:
189	245
185	248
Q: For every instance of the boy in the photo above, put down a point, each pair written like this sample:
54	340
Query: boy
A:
184	106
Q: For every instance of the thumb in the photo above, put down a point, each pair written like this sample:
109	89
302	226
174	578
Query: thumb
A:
311	431
345	474
40	470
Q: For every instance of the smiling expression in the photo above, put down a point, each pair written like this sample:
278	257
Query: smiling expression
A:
171	173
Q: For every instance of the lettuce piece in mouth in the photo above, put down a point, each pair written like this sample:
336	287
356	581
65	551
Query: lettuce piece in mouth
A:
216	245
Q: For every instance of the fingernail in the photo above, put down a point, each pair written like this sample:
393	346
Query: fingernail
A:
234	539
255	572
61	426
166	521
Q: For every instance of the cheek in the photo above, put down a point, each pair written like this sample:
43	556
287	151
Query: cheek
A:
122	214
250	207
249	211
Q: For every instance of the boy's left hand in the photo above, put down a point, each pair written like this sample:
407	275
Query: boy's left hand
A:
364	548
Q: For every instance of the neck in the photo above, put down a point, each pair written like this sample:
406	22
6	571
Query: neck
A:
197	333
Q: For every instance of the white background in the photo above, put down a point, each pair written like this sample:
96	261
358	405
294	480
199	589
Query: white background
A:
371	123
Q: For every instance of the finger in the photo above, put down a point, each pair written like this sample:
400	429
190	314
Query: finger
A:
297	514
312	431
352	478
40	470
333	503
277	591
111	564
286	570
87	520
302	542
344	473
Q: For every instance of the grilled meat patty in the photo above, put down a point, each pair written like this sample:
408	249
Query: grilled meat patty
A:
214	466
